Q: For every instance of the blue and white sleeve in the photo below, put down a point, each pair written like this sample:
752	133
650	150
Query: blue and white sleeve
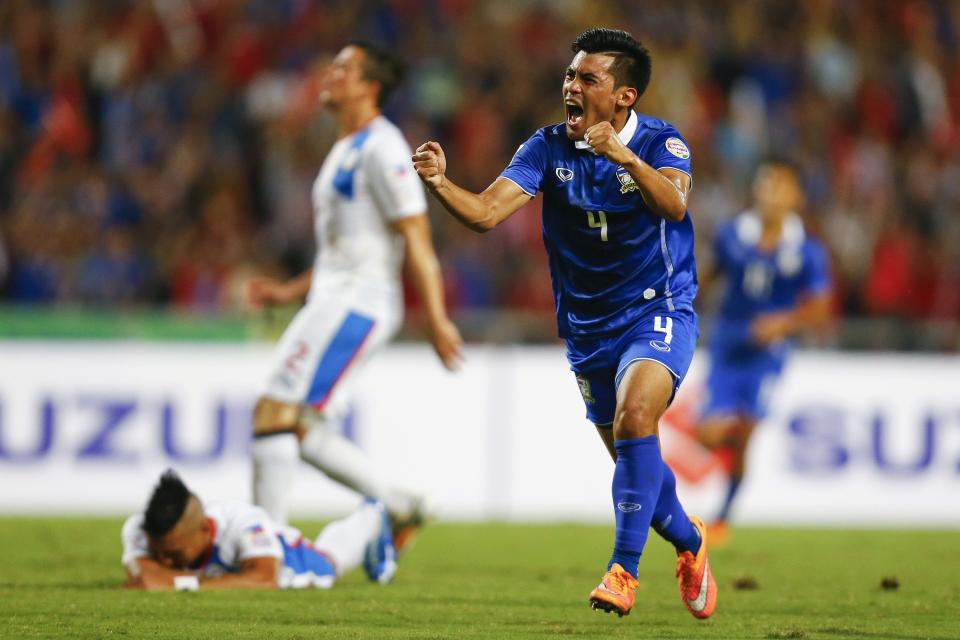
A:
528	165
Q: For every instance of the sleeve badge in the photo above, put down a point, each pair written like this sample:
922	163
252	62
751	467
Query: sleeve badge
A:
677	147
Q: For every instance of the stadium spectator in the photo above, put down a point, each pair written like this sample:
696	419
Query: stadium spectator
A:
154	101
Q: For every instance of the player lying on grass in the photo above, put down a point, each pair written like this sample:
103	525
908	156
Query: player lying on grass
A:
179	542
620	244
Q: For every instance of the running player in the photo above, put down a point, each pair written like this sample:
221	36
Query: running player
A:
777	285
181	543
620	248
370	214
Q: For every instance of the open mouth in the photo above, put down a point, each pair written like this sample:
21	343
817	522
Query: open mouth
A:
574	114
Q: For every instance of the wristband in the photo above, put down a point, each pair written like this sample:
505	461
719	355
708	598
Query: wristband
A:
186	583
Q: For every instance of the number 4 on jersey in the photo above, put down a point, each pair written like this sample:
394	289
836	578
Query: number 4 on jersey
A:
598	222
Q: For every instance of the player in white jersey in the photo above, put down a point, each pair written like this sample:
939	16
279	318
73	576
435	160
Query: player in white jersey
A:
179	542
370	215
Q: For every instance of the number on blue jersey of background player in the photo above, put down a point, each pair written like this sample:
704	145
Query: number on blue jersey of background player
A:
777	285
620	247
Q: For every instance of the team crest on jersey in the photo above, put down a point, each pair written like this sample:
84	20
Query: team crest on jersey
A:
584	385
626	182
677	148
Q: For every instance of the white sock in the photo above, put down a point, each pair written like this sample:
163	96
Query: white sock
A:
275	461
327	450
345	541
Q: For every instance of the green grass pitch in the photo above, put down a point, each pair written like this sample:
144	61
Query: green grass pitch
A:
58	579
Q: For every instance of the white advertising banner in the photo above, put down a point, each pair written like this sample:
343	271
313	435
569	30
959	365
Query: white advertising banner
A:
851	439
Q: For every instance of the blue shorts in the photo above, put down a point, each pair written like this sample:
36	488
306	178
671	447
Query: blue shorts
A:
667	337
740	388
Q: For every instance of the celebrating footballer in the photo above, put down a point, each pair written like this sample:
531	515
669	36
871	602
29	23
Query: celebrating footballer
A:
620	246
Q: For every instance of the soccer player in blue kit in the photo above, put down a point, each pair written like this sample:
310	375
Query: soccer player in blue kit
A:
777	285
620	247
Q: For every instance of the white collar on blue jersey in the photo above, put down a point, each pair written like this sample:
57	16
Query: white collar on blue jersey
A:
749	229
625	135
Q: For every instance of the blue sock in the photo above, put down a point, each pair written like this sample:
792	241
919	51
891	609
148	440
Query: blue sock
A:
732	489
636	485
669	518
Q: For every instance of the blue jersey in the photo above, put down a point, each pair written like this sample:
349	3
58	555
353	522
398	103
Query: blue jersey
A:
762	282
612	260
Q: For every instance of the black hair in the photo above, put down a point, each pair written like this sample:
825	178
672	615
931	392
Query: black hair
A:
382	66
631	65
166	506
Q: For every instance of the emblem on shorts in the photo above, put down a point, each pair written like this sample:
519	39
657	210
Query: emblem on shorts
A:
660	345
584	385
565	175
626	183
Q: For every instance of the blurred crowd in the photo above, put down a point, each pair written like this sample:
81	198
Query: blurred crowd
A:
156	153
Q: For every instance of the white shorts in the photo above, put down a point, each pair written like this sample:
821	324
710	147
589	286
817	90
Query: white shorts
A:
326	344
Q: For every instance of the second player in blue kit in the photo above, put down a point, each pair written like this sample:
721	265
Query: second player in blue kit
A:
777	285
620	247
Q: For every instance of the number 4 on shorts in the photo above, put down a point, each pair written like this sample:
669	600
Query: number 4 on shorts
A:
665	326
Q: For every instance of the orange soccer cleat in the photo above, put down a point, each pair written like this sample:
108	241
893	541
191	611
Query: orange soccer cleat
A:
698	589
615	591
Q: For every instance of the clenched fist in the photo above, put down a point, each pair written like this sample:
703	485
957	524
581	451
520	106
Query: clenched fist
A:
431	164
606	143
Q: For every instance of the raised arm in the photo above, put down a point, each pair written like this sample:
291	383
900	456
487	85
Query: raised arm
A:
480	212
664	190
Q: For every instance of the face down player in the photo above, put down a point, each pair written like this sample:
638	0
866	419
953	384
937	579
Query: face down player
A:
620	247
181	543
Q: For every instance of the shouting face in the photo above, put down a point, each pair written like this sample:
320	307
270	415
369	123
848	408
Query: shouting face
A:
591	93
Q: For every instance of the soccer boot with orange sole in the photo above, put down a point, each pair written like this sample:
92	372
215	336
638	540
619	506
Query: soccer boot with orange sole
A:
615	591
698	589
